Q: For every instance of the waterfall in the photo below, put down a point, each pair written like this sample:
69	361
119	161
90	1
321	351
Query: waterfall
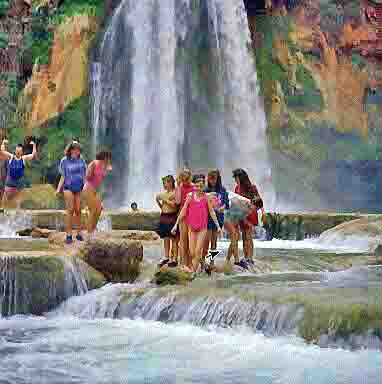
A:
38	284
95	89
140	302
174	83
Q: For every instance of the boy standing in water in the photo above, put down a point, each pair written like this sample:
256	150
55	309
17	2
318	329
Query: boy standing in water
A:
15	171
169	212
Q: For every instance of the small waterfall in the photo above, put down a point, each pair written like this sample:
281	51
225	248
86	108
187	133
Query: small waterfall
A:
38	284
140	302
11	222
178	85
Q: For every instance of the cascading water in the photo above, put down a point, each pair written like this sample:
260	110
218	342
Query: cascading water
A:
178	86
36	285
12	222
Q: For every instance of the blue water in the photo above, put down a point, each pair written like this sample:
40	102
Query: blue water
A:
69	350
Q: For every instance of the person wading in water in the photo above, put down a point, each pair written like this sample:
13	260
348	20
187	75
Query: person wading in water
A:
15	172
95	174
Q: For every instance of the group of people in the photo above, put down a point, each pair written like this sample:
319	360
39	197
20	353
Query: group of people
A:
194	211
77	180
194	208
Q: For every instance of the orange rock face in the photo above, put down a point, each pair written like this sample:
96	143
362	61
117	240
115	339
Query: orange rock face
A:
54	86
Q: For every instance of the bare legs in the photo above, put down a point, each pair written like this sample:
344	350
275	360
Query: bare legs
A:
94	204
211	239
197	245
234	235
184	251
247	241
73	211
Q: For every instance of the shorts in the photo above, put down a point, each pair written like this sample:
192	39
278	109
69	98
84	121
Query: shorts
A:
211	225
166	224
73	189
11	189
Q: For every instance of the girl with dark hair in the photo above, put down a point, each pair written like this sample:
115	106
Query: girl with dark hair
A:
245	188
220	197
96	173
169	213
195	214
73	171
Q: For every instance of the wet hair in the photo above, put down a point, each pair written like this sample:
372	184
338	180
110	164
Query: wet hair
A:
103	155
219	184
245	182
198	177
69	148
169	178
20	146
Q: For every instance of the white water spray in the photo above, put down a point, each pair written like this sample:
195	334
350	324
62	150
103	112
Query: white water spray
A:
178	86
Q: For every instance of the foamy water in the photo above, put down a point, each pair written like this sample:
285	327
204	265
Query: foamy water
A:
37	350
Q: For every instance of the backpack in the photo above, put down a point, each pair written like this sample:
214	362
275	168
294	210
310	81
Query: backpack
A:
16	168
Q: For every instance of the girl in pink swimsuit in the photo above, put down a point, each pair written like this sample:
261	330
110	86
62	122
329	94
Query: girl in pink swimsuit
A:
195	213
96	173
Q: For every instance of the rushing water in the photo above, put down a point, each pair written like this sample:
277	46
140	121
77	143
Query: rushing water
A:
30	286
13	221
174	82
65	350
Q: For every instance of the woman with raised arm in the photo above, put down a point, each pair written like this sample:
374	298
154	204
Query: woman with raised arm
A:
15	171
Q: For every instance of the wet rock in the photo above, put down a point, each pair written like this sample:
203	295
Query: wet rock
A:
41	233
362	233
37	282
36	233
141	220
130	235
24	232
172	276
117	259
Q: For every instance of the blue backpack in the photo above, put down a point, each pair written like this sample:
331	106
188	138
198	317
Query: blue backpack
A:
16	168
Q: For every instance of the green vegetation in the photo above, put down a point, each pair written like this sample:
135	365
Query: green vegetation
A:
38	42
268	69
4	6
309	97
4	38
339	321
77	7
72	123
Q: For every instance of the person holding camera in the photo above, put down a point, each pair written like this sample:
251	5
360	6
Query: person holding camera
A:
15	170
